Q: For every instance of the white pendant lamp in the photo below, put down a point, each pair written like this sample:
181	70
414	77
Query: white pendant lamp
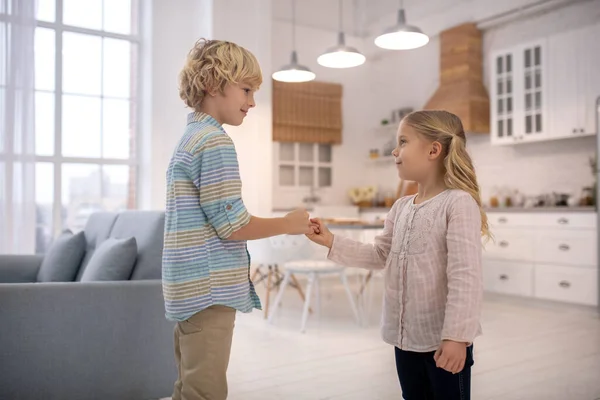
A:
341	56
402	36
294	72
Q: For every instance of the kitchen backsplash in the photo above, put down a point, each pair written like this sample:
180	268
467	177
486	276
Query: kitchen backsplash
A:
534	168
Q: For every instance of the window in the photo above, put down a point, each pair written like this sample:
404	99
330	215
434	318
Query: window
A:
86	83
304	164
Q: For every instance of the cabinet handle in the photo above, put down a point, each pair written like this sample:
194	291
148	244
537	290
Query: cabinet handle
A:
564	247
563	221
503	243
502	220
503	277
581	130
574	130
564	284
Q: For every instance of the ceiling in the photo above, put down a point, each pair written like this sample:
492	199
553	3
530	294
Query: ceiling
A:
358	15
363	17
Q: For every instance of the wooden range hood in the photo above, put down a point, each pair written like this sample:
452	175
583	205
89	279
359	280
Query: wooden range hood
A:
461	89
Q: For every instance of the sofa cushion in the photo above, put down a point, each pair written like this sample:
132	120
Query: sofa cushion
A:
63	258
148	229
113	260
97	230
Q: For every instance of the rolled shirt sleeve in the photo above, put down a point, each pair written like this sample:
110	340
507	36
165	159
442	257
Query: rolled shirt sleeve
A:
215	172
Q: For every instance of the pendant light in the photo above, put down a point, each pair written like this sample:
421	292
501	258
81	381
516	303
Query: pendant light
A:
341	56
402	36
294	72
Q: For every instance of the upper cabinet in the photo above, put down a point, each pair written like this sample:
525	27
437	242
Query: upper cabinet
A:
519	93
574	68
546	89
502	97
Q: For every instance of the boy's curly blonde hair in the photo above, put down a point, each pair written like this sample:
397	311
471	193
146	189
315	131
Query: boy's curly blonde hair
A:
211	65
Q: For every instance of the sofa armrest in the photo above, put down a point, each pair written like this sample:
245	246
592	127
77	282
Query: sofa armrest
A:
19	268
81	340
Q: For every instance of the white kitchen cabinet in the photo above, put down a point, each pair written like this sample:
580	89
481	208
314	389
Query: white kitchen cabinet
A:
548	255
564	220
569	284
532	105
576	247
590	38
502	97
510	244
546	89
509	220
508	278
519	94
574	82
565	93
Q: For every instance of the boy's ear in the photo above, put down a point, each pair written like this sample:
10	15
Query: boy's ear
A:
212	92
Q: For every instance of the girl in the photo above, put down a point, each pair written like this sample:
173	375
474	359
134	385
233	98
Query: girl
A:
431	251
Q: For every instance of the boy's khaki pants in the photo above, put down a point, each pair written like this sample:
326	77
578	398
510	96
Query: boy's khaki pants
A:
202	348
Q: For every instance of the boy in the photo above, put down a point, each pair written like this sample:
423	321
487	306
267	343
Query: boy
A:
205	260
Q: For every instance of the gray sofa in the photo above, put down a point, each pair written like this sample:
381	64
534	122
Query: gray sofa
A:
88	340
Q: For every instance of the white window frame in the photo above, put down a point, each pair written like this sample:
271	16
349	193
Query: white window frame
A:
297	164
57	160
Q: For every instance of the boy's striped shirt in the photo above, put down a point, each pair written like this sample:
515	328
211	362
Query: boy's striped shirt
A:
204	207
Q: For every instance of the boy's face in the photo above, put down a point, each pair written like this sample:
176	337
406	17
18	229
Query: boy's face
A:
232	106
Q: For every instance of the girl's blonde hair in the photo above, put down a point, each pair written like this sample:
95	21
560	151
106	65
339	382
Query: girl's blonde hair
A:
447	129
211	65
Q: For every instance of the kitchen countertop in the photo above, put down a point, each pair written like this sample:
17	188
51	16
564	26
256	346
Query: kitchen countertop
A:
584	209
354	225
362	209
588	209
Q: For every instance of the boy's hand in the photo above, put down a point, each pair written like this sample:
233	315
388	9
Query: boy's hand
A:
451	356
298	222
320	234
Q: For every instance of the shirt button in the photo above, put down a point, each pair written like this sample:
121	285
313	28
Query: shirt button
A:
228	207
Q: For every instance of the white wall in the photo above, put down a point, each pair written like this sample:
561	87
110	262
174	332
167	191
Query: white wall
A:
410	78
171	32
248	23
311	43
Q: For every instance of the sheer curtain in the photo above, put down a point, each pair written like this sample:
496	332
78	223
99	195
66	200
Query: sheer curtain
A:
17	126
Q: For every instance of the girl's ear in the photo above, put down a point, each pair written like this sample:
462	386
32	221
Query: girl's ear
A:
435	150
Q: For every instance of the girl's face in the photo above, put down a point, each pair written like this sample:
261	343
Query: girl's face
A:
416	157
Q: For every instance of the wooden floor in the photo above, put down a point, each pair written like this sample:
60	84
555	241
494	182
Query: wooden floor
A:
529	350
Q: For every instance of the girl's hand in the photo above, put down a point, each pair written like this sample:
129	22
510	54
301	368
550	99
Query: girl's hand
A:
321	235
451	356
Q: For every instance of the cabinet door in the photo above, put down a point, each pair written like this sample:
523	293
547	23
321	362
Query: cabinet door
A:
510	244
590	62
502	97
508	277
533	89
566	247
564	87
570	284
